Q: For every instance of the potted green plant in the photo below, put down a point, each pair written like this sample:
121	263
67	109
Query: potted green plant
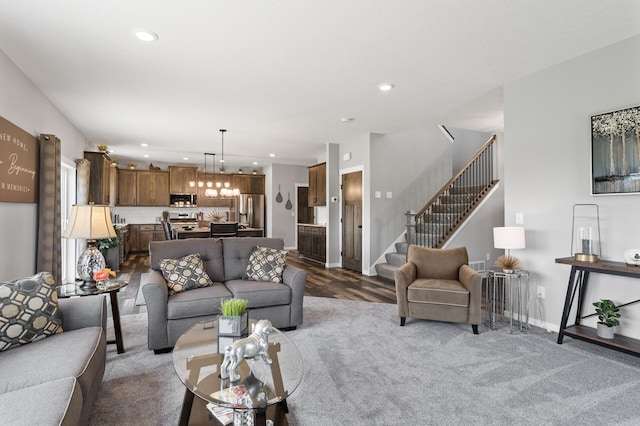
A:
109	247
608	317
233	319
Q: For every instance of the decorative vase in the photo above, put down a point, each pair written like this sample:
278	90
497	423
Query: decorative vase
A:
230	329
233	325
604	331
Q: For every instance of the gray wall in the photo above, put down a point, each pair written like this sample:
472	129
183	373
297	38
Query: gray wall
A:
547	168
412	165
280	221
23	104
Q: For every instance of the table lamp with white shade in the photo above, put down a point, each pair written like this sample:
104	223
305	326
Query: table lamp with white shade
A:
509	237
90	222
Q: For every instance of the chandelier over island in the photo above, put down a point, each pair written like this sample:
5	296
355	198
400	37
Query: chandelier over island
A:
219	188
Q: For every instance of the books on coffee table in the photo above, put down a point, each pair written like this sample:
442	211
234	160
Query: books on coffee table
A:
223	414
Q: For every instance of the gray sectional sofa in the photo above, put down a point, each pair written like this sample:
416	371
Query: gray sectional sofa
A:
225	261
55	381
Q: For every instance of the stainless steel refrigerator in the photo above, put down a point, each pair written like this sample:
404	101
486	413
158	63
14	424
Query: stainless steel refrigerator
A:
250	211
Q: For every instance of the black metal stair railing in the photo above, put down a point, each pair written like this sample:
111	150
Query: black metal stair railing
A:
432	225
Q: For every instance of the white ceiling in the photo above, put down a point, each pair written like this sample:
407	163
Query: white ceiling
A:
280	74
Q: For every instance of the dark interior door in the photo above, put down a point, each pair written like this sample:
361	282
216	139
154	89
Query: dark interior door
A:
352	221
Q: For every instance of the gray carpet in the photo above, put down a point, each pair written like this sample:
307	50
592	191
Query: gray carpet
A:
362	368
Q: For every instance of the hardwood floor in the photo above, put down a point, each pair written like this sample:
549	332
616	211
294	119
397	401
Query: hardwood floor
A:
337	283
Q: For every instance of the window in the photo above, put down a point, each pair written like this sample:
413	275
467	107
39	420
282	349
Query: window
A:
68	253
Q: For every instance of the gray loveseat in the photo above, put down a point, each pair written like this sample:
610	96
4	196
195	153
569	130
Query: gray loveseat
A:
225	261
56	380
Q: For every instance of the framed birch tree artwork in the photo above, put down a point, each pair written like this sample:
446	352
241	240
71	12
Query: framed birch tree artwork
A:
615	152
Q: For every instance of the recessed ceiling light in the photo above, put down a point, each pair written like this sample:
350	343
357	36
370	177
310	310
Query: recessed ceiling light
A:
347	119
385	87
145	35
185	158
144	144
272	155
255	163
146	156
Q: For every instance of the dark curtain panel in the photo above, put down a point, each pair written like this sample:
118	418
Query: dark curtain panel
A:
49	232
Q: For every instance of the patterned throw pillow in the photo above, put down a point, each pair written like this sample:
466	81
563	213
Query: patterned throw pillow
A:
28	310
266	264
184	274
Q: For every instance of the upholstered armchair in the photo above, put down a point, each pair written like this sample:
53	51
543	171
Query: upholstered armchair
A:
439	285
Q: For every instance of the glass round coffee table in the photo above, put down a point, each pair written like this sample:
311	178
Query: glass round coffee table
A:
197	362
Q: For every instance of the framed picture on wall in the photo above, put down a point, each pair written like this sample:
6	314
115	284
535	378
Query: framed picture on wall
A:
615	152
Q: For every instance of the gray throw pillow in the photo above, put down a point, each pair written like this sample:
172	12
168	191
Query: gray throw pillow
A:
184	274
28	310
266	264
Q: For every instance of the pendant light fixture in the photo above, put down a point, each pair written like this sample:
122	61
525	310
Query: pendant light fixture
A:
219	188
223	189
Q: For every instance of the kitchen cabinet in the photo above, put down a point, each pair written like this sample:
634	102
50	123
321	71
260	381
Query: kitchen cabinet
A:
99	172
123	234
312	243
127	182
143	188
150	233
179	178
318	185
249	184
134	238
141	235
152	188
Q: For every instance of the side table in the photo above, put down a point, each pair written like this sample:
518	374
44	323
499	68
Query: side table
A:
499	285
112	287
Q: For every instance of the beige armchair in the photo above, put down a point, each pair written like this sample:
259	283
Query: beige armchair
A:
439	285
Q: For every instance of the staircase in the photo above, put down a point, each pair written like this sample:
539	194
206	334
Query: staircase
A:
447	211
394	260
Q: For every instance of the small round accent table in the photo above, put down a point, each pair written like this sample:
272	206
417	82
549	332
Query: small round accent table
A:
111	287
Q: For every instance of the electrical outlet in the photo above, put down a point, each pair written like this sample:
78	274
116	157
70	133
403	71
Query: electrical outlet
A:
540	292
488	256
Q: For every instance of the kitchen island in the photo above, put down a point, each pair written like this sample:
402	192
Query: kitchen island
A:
204	232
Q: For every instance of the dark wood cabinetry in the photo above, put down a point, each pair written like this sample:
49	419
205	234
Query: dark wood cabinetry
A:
143	188
249	184
123	234
126	187
318	185
152	188
134	238
140	235
180	179
312	242
99	172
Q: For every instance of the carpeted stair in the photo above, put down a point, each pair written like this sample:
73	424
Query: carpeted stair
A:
394	260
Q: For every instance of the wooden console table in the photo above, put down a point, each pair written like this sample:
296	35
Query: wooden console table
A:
578	280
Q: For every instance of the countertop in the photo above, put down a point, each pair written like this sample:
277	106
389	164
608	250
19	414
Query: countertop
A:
320	225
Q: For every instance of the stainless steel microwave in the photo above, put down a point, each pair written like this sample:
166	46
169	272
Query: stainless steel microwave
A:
183	200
